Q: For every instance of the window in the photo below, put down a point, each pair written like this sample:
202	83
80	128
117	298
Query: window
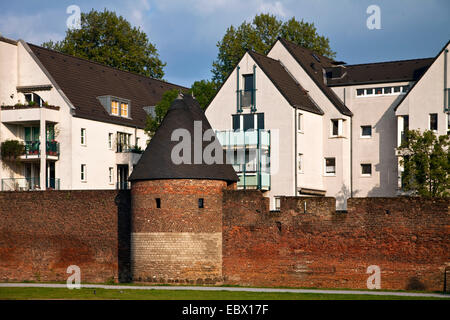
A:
366	169
158	203
83	136
137	142
115	107
405	89
359	92
111	175
369	92
378	91
124	109
83	172
249	121
397	89
123	141
392	90
433	121
110	140
248	82
335	127
236	122
300	122
387	90
201	203
330	166
33	99
300	162
277	203
366	131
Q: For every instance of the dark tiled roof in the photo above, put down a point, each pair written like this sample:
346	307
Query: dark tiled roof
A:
283	81
82	81
392	71
314	64
156	162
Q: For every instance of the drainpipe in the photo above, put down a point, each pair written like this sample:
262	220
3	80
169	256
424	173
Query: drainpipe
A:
446	109
295	148
351	151
238	109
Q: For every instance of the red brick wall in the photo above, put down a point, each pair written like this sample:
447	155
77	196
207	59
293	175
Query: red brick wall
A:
42	233
322	248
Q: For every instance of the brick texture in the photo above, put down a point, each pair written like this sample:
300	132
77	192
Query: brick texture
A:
317	247
42	233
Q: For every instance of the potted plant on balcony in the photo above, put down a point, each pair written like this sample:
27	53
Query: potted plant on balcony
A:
11	150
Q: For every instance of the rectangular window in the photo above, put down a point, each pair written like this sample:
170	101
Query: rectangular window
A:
369	92
359	92
405	89
277	203
248	82
330	166
83	172
433	121
337	127
83	136
249	122
115	107
110	140
123	141
201	204
158	203
300	122
300	162
378	91
366	169
260	120
387	90
366	131
124	109
397	89
111	175
236	121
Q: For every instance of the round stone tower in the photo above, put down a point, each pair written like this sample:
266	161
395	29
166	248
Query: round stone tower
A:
176	233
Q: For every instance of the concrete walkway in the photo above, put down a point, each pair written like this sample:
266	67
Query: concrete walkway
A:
236	289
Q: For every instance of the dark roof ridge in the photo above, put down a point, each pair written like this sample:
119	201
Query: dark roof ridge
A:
380	62
8	40
102	65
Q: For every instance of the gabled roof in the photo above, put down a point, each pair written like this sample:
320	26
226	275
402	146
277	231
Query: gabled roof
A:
82	81
314	64
410	89
379	72
156	163
294	93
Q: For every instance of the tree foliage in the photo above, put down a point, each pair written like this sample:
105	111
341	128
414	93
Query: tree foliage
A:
259	36
426	163
108	39
203	91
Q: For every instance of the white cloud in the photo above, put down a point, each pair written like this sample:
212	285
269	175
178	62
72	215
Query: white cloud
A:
137	11
276	8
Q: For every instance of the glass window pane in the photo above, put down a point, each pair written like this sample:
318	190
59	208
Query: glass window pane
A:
369	91
387	90
366	130
366	168
248	82
378	90
359	92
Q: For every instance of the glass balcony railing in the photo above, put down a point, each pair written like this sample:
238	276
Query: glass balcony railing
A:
28	184
32	148
250	138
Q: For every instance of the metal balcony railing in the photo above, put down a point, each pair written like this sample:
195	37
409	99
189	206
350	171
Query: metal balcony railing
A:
32	148
28	184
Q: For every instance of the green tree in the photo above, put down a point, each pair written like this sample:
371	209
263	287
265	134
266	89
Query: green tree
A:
203	91
259	36
108	39
426	163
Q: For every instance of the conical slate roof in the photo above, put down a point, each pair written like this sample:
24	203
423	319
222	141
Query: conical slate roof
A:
156	162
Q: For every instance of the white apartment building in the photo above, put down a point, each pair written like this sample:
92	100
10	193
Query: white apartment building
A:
82	123
308	125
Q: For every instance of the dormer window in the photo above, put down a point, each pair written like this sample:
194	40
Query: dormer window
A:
124	109
116	106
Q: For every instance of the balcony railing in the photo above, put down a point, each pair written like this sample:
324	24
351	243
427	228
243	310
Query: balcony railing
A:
33	148
28	184
123	185
244	139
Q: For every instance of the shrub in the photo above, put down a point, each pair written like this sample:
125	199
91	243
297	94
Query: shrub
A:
12	149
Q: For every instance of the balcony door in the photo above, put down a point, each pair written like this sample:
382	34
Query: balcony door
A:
122	176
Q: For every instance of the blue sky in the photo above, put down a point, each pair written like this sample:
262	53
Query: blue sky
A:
186	32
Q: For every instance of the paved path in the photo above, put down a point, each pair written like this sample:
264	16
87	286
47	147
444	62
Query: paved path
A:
236	289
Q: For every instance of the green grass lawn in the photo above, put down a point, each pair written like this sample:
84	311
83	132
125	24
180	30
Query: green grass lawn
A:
111	294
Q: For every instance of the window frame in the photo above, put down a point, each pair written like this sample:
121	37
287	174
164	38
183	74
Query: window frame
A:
300	128
362	169
402	89
300	163
83	140
83	172
111	175
430	115
329	174
122	104
277	203
110	140
115	106
362	131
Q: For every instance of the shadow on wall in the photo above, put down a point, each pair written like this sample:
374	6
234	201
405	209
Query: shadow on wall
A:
343	195
387	168
123	202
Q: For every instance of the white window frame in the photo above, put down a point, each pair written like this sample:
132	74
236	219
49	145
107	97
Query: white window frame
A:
300	163
340	132
437	122
83	137
277	203
111	175
83	172
365	136
300	128
110	140
329	174
392	93
366	174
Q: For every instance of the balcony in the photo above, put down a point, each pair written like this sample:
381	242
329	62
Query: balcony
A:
247	98
249	153
128	155
28	184
24	113
33	150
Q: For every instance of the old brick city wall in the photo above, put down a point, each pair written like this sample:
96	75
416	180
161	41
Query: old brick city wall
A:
42	233
408	238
